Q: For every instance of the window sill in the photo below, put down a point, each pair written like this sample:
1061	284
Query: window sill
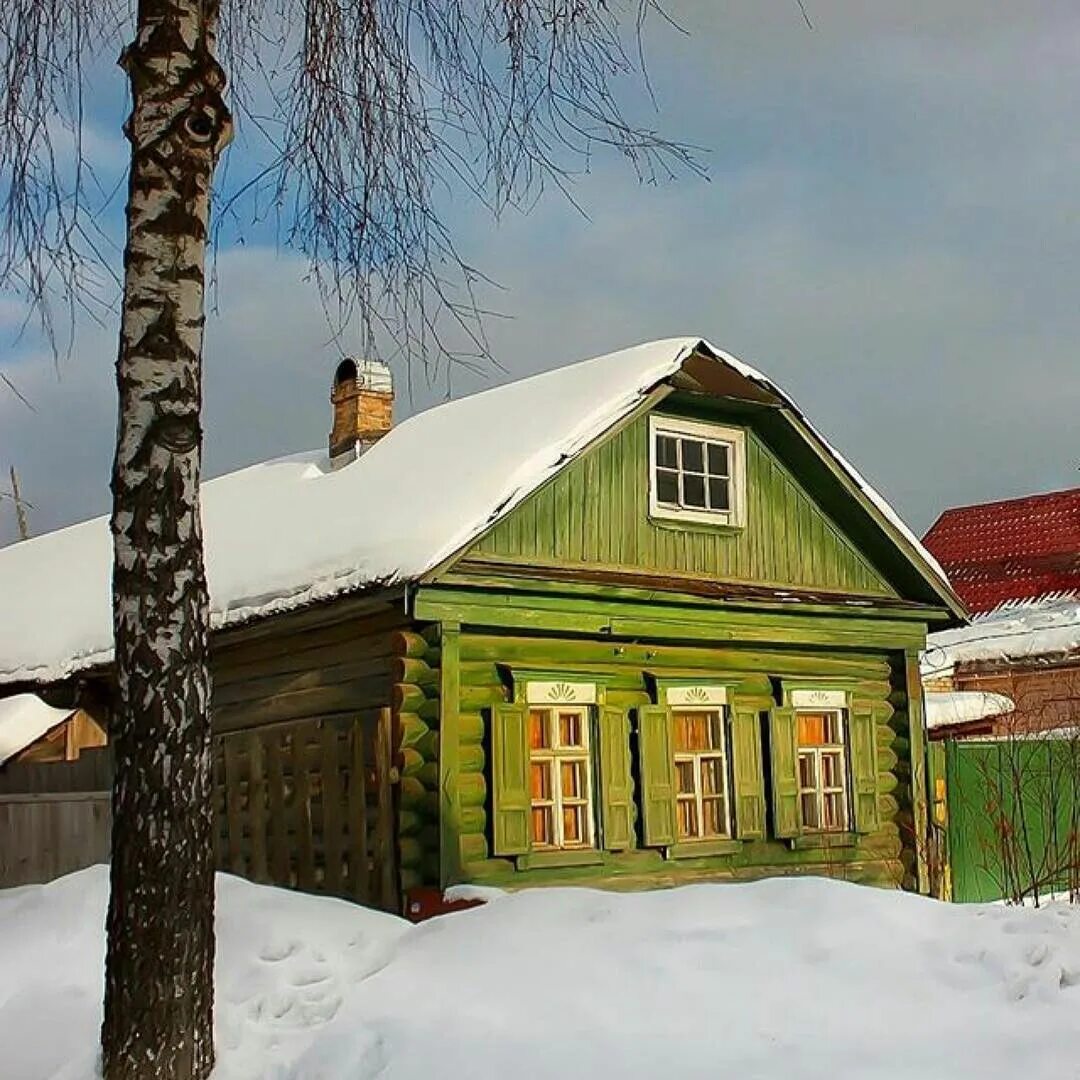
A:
815	840
692	522
699	849
537	860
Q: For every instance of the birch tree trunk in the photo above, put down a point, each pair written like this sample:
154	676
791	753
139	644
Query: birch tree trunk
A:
160	958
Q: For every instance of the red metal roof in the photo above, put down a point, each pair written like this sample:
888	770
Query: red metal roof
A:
1014	549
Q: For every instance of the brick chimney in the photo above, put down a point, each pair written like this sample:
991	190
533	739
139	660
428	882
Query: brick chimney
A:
363	400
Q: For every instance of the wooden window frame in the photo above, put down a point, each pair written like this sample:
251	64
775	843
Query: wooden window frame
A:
553	757
819	790
733	438
723	754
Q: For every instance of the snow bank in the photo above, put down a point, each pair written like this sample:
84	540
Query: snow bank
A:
788	977
291	531
947	707
24	718
1044	628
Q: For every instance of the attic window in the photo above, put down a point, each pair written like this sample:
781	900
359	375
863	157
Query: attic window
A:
697	471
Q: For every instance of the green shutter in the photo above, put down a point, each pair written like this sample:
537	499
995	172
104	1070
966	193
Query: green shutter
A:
616	787
749	782
864	771
784	752
510	774
657	775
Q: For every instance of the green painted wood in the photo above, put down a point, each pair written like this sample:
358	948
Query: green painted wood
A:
657	759
917	763
448	764
616	785
661	621
748	774
784	752
595	513
864	766
510	753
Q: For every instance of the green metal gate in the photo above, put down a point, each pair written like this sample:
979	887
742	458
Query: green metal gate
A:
1012	827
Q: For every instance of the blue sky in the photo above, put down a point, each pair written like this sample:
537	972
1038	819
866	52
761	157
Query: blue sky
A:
890	228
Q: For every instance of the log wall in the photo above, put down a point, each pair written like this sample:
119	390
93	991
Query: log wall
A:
886	857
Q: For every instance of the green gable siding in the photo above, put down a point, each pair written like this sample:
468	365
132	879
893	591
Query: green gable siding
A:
595	513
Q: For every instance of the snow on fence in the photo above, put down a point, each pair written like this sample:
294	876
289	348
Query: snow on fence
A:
310	806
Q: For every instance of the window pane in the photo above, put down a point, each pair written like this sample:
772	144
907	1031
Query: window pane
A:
684	777
834	812
807	771
719	495
541	780
574	825
693	456
692	731
811	729
667	487
570	729
694	491
687	815
832	772
832	728
718	459
810	811
667	451
542	831
712	776
538	729
572	786
714	824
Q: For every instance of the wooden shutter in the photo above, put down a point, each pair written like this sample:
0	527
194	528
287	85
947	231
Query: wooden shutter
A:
616	786
749	781
864	771
510	776
784	753
657	775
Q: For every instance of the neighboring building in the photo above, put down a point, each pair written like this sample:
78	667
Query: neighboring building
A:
32	731
1015	549
635	621
1027	652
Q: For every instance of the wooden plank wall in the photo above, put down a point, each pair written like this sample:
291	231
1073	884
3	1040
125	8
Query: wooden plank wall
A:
310	806
55	818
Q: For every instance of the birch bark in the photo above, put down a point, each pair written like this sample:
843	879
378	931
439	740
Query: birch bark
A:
160	958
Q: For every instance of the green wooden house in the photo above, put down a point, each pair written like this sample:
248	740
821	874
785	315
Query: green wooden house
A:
634	621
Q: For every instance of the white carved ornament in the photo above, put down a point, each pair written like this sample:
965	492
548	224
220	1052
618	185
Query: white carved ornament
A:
702	694
819	699
560	693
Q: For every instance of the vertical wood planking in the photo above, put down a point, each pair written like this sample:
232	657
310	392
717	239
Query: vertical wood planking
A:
359	869
332	823
257	808
305	847
234	808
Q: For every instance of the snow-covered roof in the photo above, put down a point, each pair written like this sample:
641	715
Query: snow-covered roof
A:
287	532
1047	628
944	708
24	718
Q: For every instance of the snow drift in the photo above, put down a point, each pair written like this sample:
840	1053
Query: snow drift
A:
804	978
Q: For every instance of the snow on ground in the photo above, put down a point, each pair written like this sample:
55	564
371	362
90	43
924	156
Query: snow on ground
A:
804	978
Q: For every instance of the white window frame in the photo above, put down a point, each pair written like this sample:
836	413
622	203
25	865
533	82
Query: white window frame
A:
696	757
734	438
553	757
818	753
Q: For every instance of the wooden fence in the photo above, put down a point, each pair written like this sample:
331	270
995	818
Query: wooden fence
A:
308	806
55	817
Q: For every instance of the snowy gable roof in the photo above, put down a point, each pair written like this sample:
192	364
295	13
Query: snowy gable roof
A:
291	531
